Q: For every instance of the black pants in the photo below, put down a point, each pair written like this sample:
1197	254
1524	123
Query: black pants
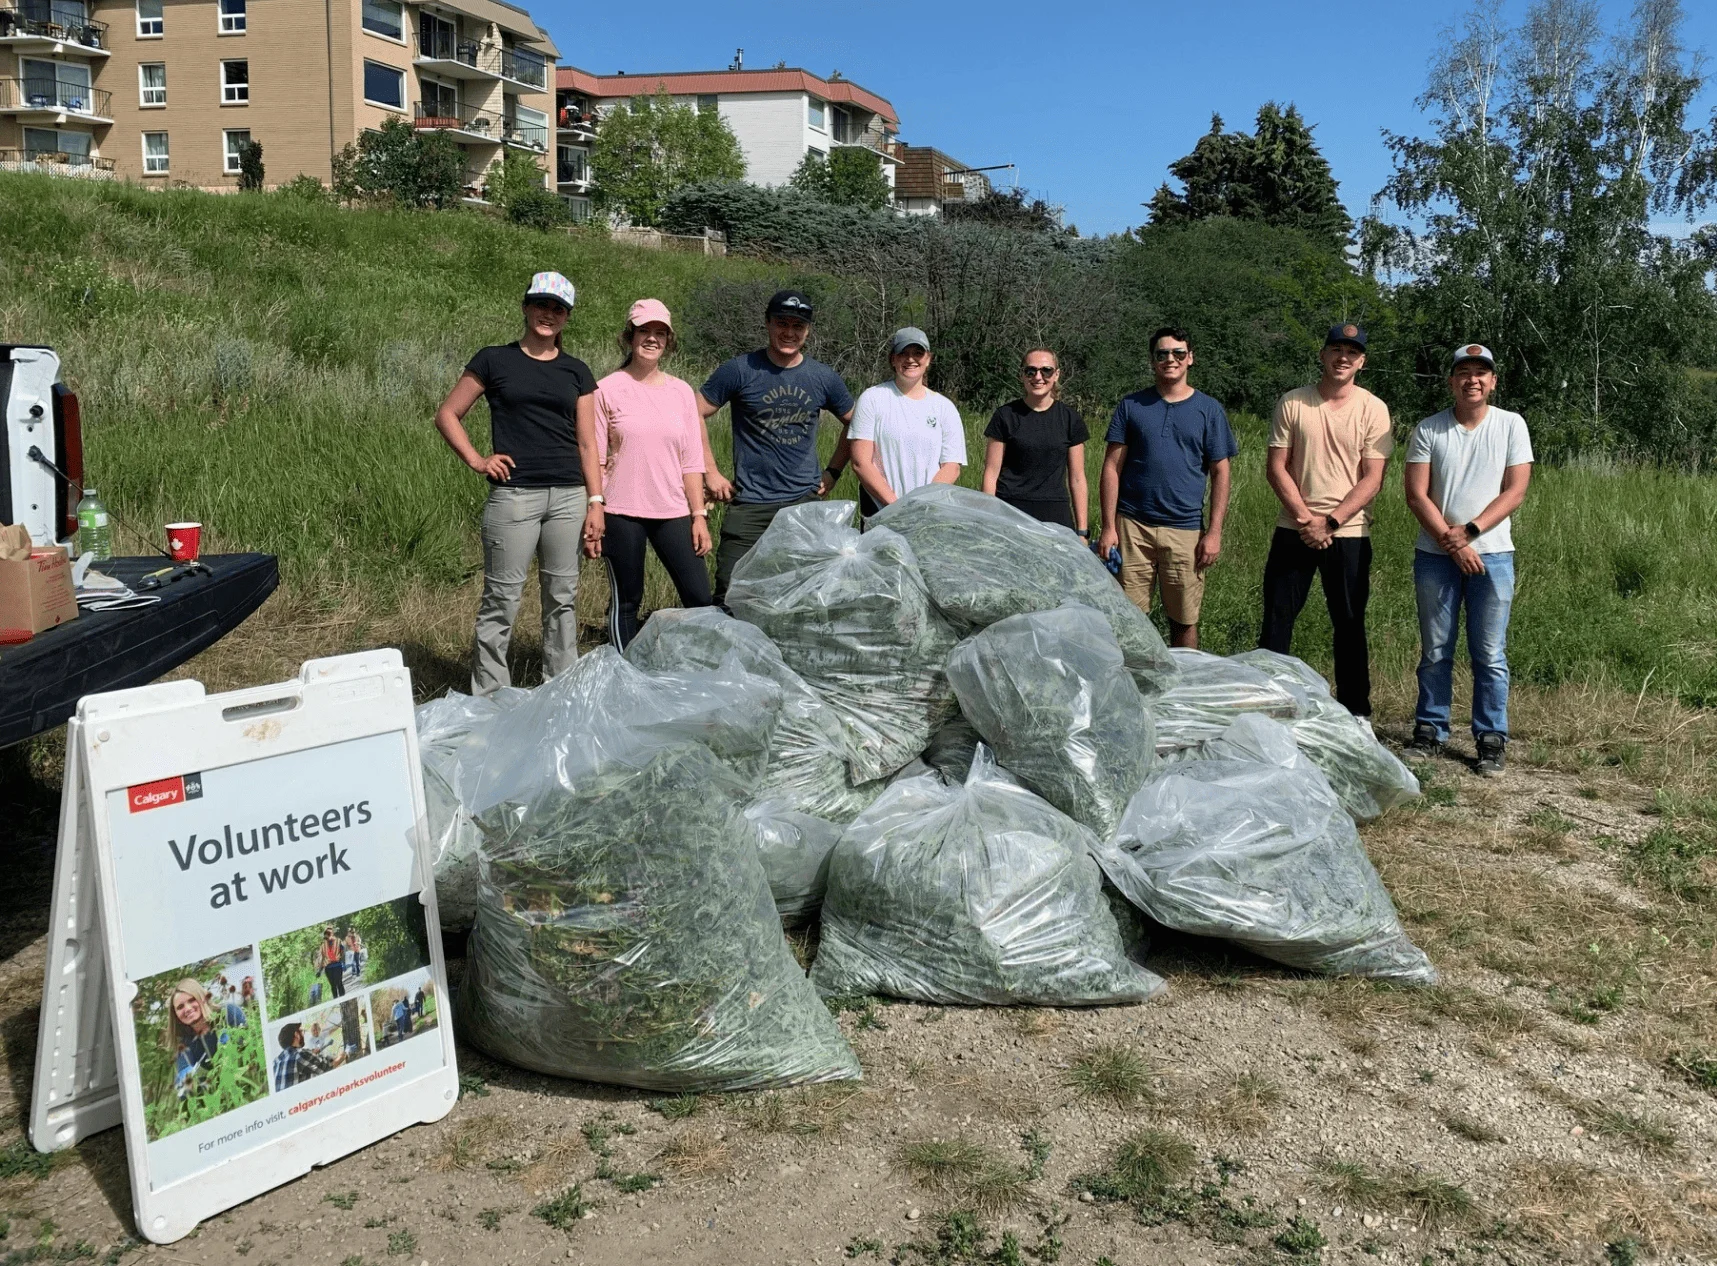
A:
335	974
742	524
623	547
1345	570
1059	511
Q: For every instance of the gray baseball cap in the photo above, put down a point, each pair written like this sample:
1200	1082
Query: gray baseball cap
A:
911	336
1471	351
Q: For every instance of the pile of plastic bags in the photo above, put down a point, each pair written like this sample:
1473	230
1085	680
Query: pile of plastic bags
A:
1211	692
850	614
625	928
976	893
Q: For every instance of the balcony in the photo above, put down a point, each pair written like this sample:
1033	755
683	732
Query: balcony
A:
462	124
57	163
579	125
55	99
51	28
532	136
522	67
879	143
574	173
441	51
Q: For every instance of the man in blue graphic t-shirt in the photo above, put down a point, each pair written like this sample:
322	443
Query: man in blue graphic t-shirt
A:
776	394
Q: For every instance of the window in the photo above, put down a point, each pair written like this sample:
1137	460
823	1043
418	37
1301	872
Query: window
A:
236	140
384	85
816	114
440	101
152	84
149	22
384	17
45	140
707	103
155	153
235	83
232	17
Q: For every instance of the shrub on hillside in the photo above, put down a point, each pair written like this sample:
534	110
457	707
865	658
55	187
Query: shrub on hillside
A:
306	188
250	169
537	209
399	163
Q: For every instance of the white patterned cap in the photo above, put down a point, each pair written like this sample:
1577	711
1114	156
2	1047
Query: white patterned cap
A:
551	286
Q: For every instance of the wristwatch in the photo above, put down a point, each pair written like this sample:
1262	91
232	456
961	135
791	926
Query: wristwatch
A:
1334	523
833	474
700	514
597	500
1473	532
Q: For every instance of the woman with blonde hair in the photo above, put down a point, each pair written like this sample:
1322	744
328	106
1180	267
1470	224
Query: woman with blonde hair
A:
192	1034
647	484
1034	458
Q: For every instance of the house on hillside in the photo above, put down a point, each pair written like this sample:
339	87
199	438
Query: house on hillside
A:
170	91
778	116
926	178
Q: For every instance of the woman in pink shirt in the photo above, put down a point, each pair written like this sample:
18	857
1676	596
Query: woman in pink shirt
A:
649	439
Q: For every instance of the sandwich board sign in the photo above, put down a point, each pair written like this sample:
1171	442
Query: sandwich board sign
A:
244	963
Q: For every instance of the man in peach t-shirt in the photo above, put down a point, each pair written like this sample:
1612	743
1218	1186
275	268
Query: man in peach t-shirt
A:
1329	444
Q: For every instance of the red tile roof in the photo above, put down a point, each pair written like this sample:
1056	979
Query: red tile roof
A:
692	83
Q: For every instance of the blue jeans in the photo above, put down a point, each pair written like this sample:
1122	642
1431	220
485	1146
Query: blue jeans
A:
1441	588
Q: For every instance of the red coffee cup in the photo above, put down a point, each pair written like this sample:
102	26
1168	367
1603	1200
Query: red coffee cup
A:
183	541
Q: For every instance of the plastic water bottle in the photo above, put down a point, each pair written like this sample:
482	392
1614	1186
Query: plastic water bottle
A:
95	533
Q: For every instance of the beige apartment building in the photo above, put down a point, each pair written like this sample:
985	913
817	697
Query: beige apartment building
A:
169	91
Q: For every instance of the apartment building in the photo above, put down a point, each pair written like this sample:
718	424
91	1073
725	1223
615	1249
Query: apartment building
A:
171	90
778	116
926	178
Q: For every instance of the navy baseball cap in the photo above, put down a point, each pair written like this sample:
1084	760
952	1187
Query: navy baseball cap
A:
789	303
1348	333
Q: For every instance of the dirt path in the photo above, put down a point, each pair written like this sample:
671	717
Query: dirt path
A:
1543	1104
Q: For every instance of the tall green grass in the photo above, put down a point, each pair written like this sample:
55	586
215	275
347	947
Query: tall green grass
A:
271	368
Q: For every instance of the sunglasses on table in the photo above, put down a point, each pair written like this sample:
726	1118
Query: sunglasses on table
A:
1039	371
1170	353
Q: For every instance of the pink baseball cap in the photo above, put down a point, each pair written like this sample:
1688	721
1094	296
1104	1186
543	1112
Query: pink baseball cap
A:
648	310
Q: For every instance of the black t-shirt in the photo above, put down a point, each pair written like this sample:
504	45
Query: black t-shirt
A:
532	411
1034	456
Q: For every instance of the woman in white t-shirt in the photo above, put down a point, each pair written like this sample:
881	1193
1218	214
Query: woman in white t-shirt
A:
903	434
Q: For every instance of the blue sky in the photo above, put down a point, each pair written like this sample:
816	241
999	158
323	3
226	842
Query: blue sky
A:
1091	102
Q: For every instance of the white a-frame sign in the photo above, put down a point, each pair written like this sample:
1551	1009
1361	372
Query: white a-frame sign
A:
244	962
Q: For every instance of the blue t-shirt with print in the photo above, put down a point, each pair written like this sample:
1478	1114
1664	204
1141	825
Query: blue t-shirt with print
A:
1170	447
775	413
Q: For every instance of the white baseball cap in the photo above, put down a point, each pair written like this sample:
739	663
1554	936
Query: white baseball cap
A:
1471	351
551	286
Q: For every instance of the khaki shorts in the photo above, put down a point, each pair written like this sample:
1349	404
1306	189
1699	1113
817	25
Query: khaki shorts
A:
1165	556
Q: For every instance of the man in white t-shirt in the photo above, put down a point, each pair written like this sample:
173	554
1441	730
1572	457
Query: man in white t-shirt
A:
1467	471
903	434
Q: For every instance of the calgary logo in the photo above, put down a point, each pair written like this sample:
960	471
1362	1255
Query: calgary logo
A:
163	792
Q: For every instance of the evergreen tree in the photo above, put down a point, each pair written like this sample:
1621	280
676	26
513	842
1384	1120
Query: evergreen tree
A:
849	177
650	146
1274	175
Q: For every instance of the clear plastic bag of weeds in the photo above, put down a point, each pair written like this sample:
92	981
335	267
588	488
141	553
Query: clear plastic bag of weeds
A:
807	768
1211	692
850	614
1260	852
1049	694
795	849
979	893
1369	778
452	736
985	561
625	928
952	747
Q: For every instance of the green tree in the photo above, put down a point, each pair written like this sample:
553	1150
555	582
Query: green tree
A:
849	177
250	169
518	173
1535	196
650	146
416	168
1008	209
1275	175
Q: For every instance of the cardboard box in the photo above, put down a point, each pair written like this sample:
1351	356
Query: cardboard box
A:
36	592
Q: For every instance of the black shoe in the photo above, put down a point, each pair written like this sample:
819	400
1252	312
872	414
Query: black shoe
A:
1425	740
1490	755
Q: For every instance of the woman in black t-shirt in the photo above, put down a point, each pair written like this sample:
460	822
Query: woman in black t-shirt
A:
542	427
1035	458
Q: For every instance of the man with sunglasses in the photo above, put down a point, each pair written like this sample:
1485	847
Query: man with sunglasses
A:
777	395
1164	443
1329	444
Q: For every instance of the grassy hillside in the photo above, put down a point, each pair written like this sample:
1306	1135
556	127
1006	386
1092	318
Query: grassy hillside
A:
271	368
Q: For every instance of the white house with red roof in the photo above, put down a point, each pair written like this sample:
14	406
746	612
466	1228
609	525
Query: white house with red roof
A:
778	115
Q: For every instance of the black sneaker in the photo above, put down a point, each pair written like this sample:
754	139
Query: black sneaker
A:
1425	740
1490	755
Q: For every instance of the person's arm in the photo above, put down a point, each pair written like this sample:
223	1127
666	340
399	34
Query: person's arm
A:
717	483
1416	483
1109	497
700	516
993	453
1364	492
1078	489
1286	490
869	472
838	459
450	421
590	457
1210	542
947	473
953	455
1506	502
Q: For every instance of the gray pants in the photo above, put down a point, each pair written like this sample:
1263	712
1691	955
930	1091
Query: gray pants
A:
517	524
